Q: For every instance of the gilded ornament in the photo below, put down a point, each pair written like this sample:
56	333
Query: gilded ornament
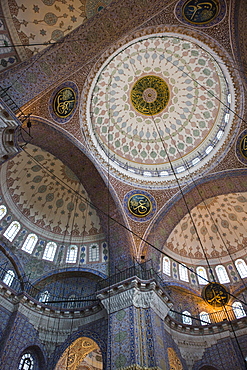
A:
64	102
139	205
243	147
150	95
215	294
200	11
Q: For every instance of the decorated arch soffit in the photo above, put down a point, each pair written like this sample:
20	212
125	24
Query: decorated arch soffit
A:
163	102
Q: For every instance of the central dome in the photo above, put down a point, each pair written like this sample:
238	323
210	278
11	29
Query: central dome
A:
159	105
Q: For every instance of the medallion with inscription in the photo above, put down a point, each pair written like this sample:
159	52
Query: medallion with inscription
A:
139	205
215	294
243	147
64	102
200	11
150	95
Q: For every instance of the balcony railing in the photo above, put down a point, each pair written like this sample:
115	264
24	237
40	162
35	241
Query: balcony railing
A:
212	318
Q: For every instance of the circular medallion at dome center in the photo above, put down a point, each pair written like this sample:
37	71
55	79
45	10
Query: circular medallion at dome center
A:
150	95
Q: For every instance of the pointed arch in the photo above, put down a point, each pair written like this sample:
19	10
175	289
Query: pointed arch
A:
202	275
186	317
241	267
50	251
183	273
222	274
44	296
167	266
238	310
12	230
93	255
204	317
30	242
9	277
72	253
3	211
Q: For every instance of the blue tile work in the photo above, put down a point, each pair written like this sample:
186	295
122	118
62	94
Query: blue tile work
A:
4	318
65	286
224	355
131	339
20	335
162	341
97	331
121	348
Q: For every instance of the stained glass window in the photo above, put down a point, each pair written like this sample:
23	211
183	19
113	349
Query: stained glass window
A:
11	232
9	277
72	254
30	243
50	251
93	253
222	274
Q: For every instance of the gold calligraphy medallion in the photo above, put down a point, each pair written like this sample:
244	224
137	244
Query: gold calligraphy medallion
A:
200	11
150	95
243	146
64	102
139	205
215	294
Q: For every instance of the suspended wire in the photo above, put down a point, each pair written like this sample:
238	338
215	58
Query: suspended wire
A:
132	232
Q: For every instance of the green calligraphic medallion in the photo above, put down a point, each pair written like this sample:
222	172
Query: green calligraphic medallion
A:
243	147
200	11
215	294
150	95
64	102
139	205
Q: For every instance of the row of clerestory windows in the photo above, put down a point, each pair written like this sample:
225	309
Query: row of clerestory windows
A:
202	274
51	247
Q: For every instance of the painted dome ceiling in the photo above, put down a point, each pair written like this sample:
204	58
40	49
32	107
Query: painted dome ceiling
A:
47	198
159	105
221	224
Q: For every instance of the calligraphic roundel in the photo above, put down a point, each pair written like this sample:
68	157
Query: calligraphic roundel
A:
215	294
139	205
63	102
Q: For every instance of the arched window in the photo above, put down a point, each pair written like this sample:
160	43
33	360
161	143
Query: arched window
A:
72	254
205	319
11	232
30	243
202	274
241	267
44	296
93	253
71	298
183	273
9	277
222	274
3	211
166	266
26	362
186	316
238	310
50	251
